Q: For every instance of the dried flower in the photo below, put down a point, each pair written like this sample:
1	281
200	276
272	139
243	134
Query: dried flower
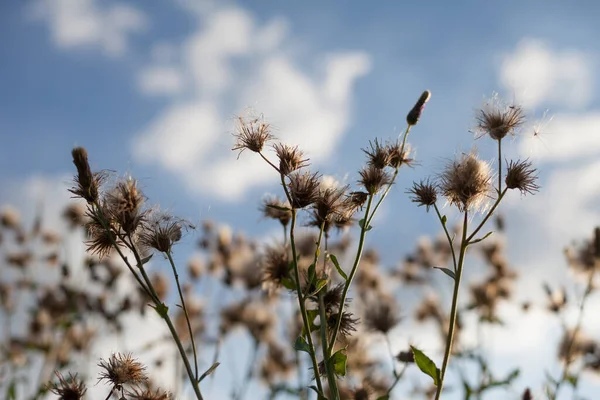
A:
373	179
101	238
382	316
162	231
378	155
290	158
303	189
333	298
520	175
69	388
148	394
124	205
466	182
527	395
415	113
277	209
328	204
498	119
276	265
398	155
424	193
252	135
87	183
122	369
347	324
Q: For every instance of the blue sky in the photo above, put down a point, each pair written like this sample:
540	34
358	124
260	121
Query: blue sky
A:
152	88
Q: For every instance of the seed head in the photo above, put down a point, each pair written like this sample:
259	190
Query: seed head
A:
382	316
328	204
290	158
276	209
87	184
347	325
100	231
424	193
276	265
378	155
373	179
148	394
124	205
121	369
398	156
252	135
498	119
162	231
69	388
521	175
303	189
466	182
415	113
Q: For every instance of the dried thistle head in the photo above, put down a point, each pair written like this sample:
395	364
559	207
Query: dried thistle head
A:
87	184
466	182
424	193
378	155
121	369
303	189
251	134
101	235
374	179
333	298
522	176
274	208
328	204
347	324
415	113
276	266
148	394
498	119
162	230
123	205
382	316
399	156
68	388
290	158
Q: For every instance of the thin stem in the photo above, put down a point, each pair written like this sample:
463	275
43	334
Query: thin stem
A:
359	250
450	241
489	214
500	165
397	379
326	355
185	312
453	312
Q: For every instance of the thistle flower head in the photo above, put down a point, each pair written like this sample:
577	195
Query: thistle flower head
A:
123	205
466	182
121	369
424	193
382	316
87	184
148	394
521	175
252	134
303	189
347	324
398	155
276	265
415	113
373	179
498	119
274	208
290	158
162	231
378	155
68	388
328	204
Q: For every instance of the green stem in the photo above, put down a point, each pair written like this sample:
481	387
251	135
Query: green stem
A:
450	241
499	165
453	312
185	312
488	215
326	355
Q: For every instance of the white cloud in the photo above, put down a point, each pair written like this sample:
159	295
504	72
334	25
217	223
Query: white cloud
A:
81	23
161	81
231	62
540	75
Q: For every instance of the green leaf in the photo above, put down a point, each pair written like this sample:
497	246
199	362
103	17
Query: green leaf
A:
426	365
447	271
301	345
338	362
209	371
288	283
146	259
161	310
572	379
335	262
361	223
482	238
311	314
11	392
444	219
312	273
280	208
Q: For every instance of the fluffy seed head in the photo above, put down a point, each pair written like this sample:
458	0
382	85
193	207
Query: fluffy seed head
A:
327	206
290	158
122	369
498	119
377	155
347	325
415	113
68	388
466	182
373	179
148	394
398	156
162	230
382	316
424	193
521	175
303	189
252	134
124	205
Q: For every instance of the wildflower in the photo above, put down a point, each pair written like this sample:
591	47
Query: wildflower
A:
520	175
121	369
162	231
466	182
276	265
70	388
101	238
124	205
498	119
347	324
303	189
383	316
333	298
148	394
373	179
424	193
398	156
252	135
378	156
290	158
415	113
277	209
87	183
327	205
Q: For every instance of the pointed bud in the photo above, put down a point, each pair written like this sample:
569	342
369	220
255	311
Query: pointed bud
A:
413	116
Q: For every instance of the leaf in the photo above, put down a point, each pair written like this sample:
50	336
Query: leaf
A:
301	345
311	314
209	371
320	284
338	362
288	283
162	310
444	219
146	259
280	208
426	365
11	392
337	266
572	379
361	223
481	238
447	271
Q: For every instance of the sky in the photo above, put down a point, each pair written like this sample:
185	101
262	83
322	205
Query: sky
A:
153	89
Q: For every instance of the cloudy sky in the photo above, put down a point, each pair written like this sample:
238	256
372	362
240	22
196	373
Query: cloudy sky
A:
153	89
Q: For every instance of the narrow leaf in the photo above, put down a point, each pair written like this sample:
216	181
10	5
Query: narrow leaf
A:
482	238
280	208
146	259
301	345
426	365
447	271
335	262
209	371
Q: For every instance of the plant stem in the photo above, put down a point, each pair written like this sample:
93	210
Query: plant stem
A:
453	312
326	354
185	312
499	165
450	241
